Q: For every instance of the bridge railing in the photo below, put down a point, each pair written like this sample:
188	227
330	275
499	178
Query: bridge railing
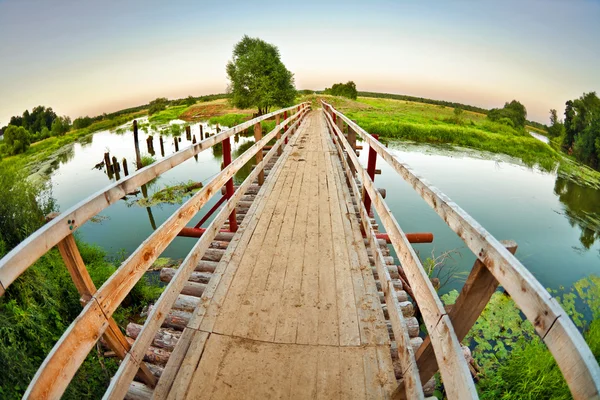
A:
496	265
95	321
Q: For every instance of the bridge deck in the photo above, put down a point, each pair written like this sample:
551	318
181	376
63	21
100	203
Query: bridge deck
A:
293	309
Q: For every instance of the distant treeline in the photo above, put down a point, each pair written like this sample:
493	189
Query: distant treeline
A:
42	122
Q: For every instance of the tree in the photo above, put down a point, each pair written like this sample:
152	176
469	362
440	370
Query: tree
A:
347	89
582	129
556	127
258	78
60	126
17	139
514	111
157	105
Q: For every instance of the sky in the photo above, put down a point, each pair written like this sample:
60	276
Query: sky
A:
89	57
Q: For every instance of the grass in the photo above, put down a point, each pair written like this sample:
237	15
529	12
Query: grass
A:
430	123
170	113
147	159
229	120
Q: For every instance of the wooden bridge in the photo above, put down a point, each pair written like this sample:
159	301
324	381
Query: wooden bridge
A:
290	291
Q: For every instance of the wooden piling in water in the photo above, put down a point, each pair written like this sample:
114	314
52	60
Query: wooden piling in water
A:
201	133
136	142
116	167
176	142
162	146
107	164
188	132
125	169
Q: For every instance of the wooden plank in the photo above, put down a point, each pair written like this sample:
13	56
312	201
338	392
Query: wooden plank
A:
453	367
474	296
249	308
216	350
27	252
214	297
529	295
373	384
303	376
328	373
172	368
180	386
331	319
287	320
307	331
264	325
352	373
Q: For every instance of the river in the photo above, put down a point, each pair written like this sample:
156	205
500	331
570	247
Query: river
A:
555	222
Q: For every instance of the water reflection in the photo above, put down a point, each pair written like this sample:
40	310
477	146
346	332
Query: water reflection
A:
581	207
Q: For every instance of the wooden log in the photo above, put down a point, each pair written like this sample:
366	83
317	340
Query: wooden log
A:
177	319
154	355
107	164
125	169
185	302
165	338
206	266
193	289
166	274
213	255
138	391
176	143
219	244
162	146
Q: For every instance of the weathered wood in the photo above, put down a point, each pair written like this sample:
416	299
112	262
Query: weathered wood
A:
529	295
136	143
474	296
164	338
453	368
138	391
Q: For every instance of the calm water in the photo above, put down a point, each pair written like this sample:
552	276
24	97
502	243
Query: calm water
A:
555	222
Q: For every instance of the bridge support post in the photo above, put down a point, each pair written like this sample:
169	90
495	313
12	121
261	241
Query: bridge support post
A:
371	166
259	155
86	288
229	185
201	133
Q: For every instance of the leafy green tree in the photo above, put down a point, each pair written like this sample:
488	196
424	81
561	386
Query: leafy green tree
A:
515	111
82	122
556	127
157	105
582	129
347	89
190	101
60	126
258	78
17	139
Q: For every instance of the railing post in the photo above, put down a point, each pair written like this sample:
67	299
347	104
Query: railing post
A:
371	165
259	154
277	120
285	115
86	288
352	141
201	133
229	185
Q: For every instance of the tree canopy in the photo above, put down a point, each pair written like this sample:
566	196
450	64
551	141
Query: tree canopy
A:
582	129
17	139
258	78
513	113
347	89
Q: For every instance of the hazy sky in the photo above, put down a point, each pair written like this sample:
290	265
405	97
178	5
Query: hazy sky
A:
87	57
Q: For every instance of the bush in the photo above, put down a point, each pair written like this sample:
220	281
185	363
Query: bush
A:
17	139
